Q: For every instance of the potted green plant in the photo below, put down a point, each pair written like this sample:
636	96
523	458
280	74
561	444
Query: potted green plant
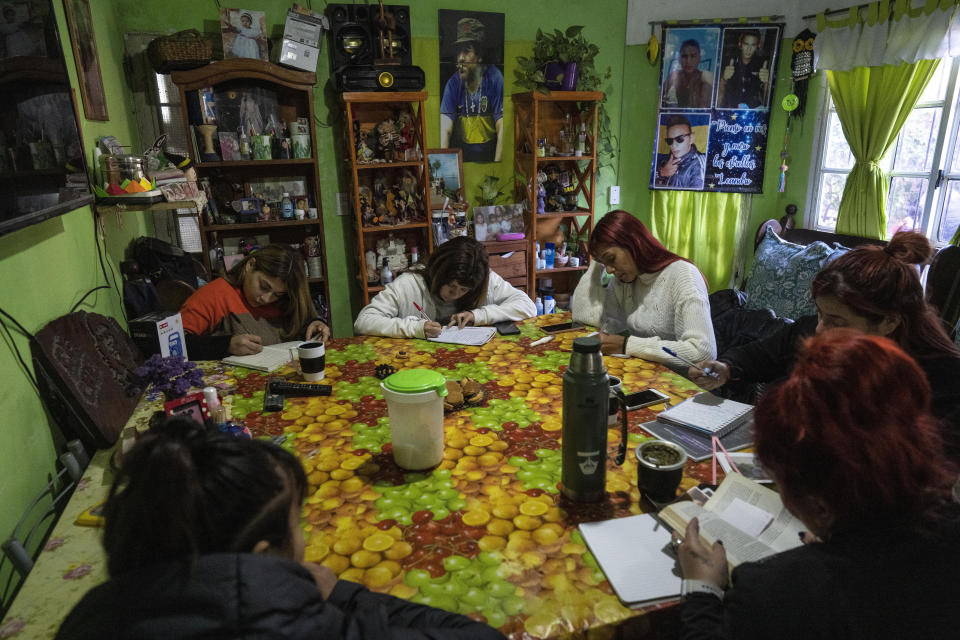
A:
553	53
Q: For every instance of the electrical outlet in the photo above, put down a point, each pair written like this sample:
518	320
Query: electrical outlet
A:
614	195
343	205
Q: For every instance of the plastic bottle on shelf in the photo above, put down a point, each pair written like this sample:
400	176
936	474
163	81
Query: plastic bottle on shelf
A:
386	275
244	145
286	207
539	305
414	256
549	305
582	140
549	252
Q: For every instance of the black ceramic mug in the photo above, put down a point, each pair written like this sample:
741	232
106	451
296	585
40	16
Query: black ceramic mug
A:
312	361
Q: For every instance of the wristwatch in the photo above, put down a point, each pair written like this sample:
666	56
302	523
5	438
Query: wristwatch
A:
699	586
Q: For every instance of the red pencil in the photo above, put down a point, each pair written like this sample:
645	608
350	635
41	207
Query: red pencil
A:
420	309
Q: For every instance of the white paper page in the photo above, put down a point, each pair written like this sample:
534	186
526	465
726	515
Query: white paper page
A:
746	517
782	534
271	358
633	553
472	336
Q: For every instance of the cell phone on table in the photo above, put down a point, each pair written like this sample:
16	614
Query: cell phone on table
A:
561	327
645	398
506	328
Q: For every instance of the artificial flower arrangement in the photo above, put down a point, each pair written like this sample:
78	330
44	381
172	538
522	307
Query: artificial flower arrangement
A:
172	376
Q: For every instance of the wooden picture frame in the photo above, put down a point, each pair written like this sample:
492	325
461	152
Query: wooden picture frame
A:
440	164
85	56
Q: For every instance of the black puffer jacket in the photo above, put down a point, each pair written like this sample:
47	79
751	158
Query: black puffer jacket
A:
252	596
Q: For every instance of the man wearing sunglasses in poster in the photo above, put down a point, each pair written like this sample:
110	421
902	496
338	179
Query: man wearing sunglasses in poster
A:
684	166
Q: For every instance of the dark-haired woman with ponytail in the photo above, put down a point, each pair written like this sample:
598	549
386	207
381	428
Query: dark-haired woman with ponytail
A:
457	288
656	298
203	540
875	290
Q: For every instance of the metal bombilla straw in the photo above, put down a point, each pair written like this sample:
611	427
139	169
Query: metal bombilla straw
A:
622	449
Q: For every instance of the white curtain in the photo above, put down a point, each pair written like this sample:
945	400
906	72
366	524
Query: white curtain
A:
888	32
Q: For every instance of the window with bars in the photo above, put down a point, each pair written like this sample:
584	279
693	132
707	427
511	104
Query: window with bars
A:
922	166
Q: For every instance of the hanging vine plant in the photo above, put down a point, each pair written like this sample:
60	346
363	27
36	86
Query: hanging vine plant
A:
566	47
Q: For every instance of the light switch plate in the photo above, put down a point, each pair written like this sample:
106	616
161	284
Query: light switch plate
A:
614	195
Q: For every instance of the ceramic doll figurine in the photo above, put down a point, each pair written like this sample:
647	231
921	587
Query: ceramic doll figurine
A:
387	140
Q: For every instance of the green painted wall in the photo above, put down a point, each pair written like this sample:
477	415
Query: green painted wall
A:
47	268
605	26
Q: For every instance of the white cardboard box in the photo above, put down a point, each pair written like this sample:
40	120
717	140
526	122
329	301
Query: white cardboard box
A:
157	333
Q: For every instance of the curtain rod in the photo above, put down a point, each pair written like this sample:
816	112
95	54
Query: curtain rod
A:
709	21
833	12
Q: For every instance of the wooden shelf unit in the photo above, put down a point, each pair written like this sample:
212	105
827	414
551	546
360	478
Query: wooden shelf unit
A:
295	96
367	109
539	115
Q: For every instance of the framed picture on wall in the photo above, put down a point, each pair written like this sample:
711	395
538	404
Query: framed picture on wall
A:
446	175
244	33
84	44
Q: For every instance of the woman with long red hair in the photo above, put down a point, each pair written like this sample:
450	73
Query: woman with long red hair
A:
875	290
857	457
656	299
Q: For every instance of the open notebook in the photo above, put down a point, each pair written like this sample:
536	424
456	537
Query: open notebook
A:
471	336
271	358
634	553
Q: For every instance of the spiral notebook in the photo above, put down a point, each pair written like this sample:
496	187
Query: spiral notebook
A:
707	414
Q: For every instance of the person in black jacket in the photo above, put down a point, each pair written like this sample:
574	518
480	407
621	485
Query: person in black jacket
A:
203	540
875	290
857	458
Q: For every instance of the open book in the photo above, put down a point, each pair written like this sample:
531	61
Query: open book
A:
708	414
750	519
472	336
271	358
634	553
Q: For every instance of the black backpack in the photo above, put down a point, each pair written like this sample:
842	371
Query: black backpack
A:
160	260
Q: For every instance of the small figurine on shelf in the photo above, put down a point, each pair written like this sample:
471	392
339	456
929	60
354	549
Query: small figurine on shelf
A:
407	143
387	140
366	205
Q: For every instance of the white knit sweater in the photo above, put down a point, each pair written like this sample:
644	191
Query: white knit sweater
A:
669	309
391	312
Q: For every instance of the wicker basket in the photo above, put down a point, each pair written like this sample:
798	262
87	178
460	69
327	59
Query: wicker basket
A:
182	50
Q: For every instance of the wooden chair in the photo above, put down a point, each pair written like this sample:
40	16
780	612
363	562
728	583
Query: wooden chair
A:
173	293
943	287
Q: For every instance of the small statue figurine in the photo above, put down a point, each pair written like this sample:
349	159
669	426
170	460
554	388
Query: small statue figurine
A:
387	140
407	135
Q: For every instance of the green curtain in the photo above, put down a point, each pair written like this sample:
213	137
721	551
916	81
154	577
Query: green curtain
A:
702	227
872	104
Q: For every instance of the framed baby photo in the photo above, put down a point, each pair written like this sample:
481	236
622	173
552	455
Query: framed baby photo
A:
244	33
446	175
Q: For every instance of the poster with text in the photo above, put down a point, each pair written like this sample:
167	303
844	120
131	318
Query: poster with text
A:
716	85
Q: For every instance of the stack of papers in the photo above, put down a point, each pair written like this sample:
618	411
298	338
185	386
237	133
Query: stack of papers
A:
471	336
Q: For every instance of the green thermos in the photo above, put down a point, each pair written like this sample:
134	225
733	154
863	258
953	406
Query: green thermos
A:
586	401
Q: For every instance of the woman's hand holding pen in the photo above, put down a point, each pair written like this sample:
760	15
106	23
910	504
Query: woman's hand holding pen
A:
318	330
709	382
431	329
245	344
461	320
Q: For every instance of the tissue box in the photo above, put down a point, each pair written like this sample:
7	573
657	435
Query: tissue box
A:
159	333
301	39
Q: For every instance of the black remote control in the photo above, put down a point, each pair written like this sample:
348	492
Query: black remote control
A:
295	389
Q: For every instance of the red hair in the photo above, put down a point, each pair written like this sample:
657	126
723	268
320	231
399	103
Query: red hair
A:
851	428
621	229
876	281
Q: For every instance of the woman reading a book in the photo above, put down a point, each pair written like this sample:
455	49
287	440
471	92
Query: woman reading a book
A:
875	290
857	457
262	300
456	289
655	298
203	540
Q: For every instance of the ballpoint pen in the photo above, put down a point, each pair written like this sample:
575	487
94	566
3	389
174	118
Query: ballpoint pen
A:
706	372
420	309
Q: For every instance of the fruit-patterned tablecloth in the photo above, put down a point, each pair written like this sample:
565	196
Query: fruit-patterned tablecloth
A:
485	534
